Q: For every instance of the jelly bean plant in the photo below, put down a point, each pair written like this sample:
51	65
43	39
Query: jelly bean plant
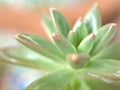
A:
78	58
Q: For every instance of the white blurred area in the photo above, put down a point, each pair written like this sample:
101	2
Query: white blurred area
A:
7	39
31	4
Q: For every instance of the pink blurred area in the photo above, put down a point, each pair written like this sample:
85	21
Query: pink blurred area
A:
18	20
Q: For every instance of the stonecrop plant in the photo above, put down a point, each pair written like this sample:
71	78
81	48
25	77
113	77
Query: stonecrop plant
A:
78	58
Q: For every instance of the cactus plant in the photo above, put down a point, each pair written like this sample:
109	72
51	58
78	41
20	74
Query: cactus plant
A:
78	58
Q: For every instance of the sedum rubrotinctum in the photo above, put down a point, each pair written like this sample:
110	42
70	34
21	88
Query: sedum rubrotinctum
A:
77	58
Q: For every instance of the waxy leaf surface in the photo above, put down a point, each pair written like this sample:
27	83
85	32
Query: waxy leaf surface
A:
40	45
55	81
60	23
26	57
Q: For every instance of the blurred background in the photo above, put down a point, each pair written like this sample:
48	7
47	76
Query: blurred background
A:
24	16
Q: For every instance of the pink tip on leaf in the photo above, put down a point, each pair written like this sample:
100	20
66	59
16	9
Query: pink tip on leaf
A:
74	58
71	32
114	25
93	35
52	9
57	37
54	35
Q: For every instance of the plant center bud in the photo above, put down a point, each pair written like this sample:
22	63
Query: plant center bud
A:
78	61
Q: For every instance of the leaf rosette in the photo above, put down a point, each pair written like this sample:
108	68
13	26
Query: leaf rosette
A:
78	58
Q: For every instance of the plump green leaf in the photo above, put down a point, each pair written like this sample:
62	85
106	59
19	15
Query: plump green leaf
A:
95	83
110	52
60	23
83	85
54	81
103	74
72	37
77	84
78	33
104	36
87	44
48	25
93	19
103	65
63	44
40	45
26	57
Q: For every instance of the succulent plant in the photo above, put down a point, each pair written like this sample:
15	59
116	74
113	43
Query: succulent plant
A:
78	58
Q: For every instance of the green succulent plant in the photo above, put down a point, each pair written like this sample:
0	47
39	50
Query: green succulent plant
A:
78	58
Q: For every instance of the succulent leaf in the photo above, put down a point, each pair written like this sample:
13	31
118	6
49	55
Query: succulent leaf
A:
60	23
63	44
77	84
48	25
78	33
84	85
72	38
87	44
53	81
96	82
40	45
103	65
93	19
110	52
104	36
103	74
26	57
